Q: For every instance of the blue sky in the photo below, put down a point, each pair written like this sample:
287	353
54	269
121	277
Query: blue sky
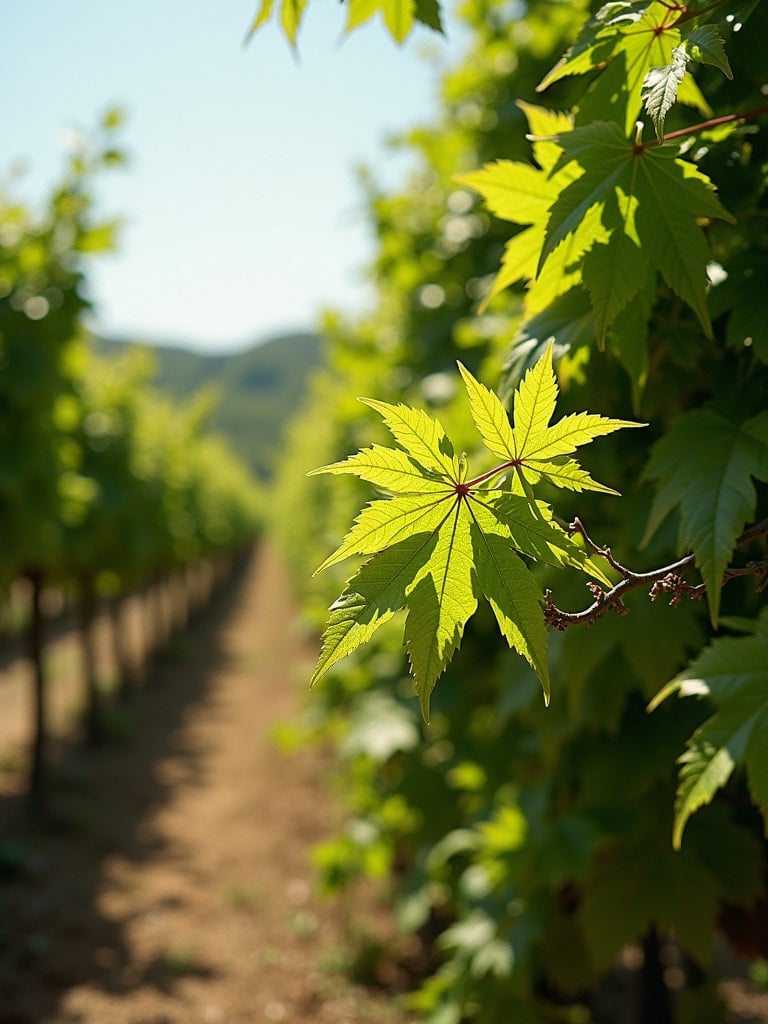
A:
242	214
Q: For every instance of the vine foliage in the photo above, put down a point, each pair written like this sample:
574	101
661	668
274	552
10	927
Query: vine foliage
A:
634	261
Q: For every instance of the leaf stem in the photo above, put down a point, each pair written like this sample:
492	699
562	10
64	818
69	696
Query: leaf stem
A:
492	473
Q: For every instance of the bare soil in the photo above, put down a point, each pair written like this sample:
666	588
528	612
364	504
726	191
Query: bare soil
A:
173	884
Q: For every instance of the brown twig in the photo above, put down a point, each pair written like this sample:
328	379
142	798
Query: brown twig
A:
667	580
713	122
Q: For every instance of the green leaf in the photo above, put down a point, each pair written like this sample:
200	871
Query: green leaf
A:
633	36
518	263
534	406
512	190
359	12
660	88
263	15
399	16
649	202
443	540
513	594
441	599
530	527
385	522
291	13
567	474
543	125
608	214
99	238
567	321
490	417
522	194
389	468
705	44
372	597
601	154
734	674
421	436
705	465
428	13
614	272
536	442
628	339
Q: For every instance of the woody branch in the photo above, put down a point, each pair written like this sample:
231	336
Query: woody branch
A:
667	580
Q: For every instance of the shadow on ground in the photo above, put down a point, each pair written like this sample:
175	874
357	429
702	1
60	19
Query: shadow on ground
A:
52	934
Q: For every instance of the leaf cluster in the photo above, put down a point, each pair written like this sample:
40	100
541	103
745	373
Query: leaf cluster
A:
543	838
444	539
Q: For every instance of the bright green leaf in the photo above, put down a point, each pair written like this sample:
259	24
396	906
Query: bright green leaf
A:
399	16
372	597
512	190
383	523
441	599
360	11
633	36
421	436
390	468
444	540
291	12
490	417
536	441
513	594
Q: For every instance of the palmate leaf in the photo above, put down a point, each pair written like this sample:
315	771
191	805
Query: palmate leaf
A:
649	201
733	673
705	465
537	448
634	38
521	193
608	215
663	85
442	541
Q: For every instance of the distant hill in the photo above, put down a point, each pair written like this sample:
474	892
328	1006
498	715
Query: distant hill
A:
260	388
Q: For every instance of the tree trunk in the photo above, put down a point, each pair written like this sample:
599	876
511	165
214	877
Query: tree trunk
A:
94	712
39	753
125	673
655	1000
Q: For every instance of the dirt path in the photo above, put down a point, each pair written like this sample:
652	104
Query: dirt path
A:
178	889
